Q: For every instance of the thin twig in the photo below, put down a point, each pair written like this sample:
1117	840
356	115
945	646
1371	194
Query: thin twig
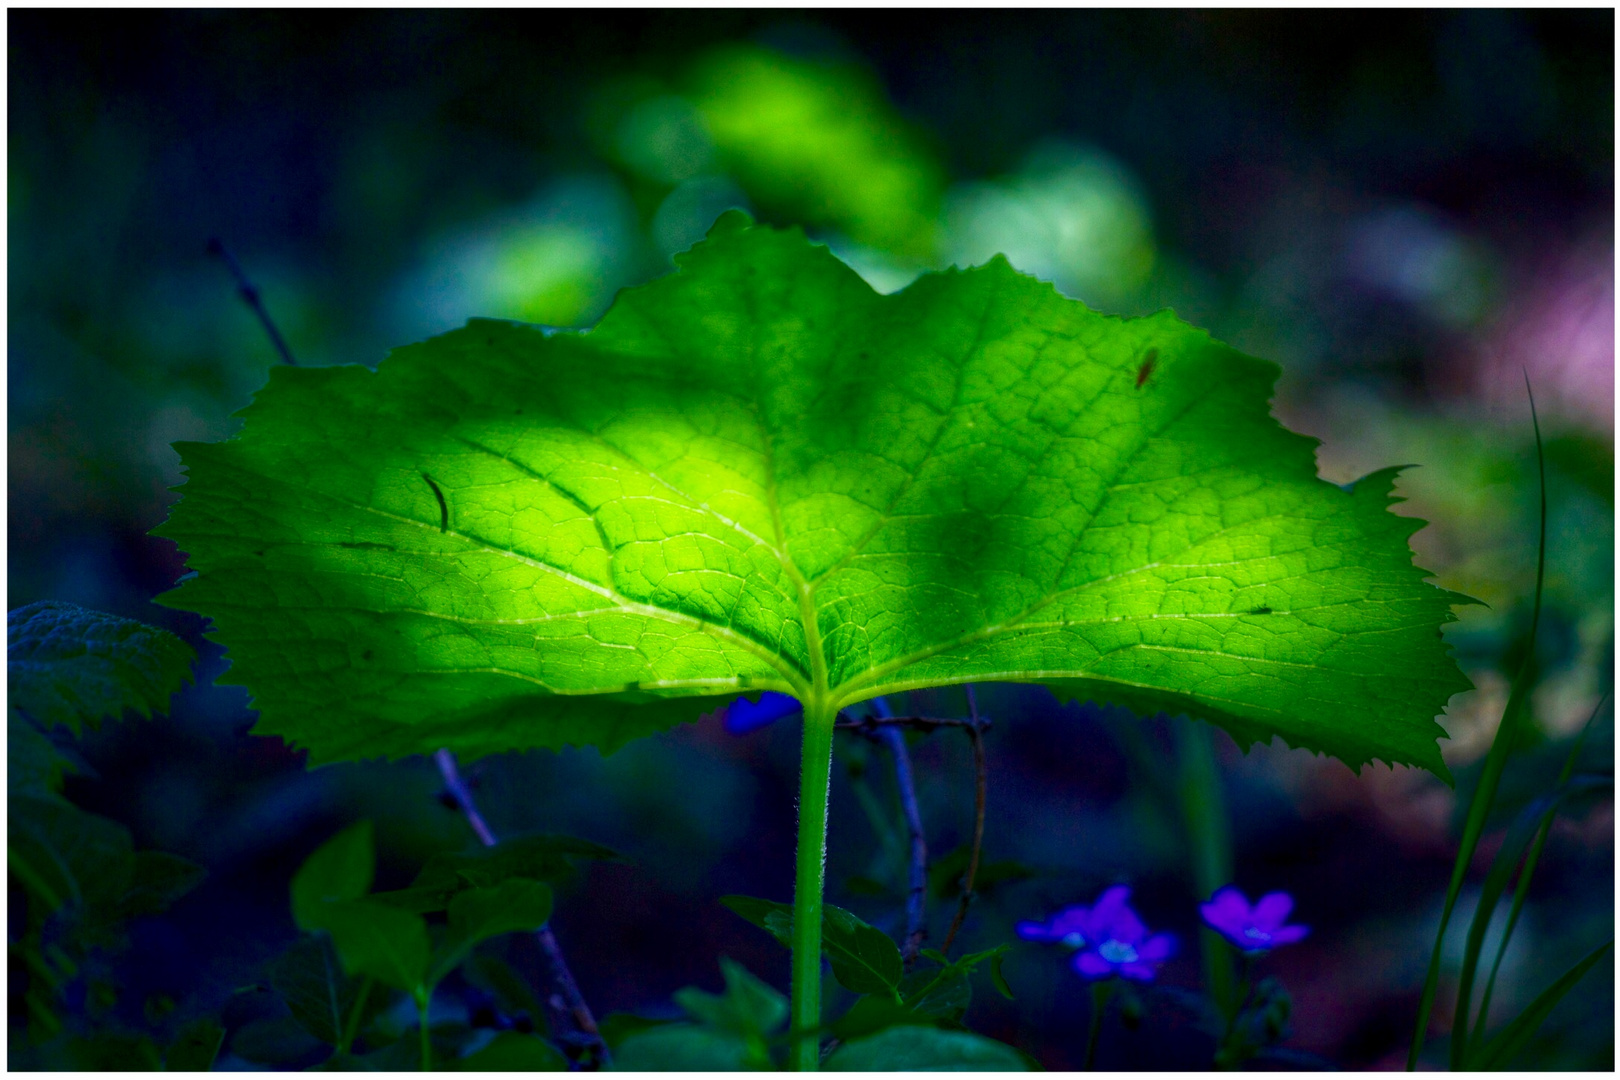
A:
569	1015
975	729
917	885
250	293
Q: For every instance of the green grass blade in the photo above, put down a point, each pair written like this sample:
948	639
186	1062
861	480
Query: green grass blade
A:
1522	887
1511	1039
1490	777
1518	838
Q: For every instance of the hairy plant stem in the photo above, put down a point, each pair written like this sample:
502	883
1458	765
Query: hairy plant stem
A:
566	1011
815	777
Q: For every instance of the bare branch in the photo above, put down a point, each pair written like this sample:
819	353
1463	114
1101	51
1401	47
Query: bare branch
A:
570	1017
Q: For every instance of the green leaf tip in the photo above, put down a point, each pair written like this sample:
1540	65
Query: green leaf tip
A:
756	473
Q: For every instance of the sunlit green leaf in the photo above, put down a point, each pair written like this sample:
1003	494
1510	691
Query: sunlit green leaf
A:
759	474
820	141
68	665
925	1049
340	869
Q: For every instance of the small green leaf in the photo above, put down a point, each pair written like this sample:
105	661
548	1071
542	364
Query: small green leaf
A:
925	1049
511	1051
937	995
310	979
997	978
373	939
1505	1044
749	1006
340	869
196	1047
35	763
479	914
110	1051
682	1048
616	1027
273	1040
864	959
68	665
62	853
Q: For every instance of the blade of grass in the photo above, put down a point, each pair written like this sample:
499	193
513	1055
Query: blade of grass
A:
1522	887
1507	733
1518	838
1511	1039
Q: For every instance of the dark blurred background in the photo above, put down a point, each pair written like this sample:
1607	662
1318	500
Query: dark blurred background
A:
1408	210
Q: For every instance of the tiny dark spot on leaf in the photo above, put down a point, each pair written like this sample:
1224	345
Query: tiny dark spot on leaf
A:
1149	362
366	655
444	507
866	356
1261	610
260	554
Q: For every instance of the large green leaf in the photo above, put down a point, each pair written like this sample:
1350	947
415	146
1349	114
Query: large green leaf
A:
68	665
759	474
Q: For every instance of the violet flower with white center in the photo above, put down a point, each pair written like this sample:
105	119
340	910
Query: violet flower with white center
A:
1253	929
1110	938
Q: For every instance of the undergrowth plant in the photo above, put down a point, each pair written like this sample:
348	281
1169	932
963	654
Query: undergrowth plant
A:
757	474
759	477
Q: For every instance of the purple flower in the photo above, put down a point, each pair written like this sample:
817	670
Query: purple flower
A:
743	716
1110	937
1064	928
1252	929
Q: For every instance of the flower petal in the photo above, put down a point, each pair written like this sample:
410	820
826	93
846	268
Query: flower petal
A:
1224	916
1092	966
1158	948
1137	971
1289	934
1036	931
1272	910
